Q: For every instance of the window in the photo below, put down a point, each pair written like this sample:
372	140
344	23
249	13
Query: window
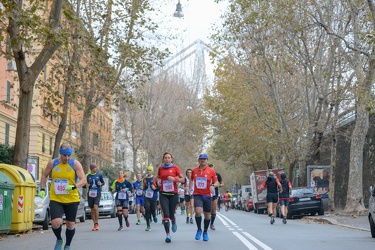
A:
50	146
7	129
95	139
8	91
43	143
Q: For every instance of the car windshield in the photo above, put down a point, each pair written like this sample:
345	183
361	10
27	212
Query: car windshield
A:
303	191
106	196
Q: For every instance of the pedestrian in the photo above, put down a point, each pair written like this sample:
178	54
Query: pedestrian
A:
139	198
189	201
169	175
205	180
215	197
273	185
94	184
285	196
123	189
151	196
64	195
181	196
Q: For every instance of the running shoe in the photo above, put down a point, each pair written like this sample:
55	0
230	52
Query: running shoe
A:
174	227
212	227
127	223
148	229
120	229
198	235
187	220
66	247
191	221
168	239
284	220
155	219
96	227
58	245
138	223
272	220
205	236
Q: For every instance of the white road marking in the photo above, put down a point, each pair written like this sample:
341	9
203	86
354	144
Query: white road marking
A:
233	227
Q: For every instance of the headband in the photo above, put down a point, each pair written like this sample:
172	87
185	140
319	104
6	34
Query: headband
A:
66	151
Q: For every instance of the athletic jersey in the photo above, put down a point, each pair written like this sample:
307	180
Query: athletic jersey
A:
285	185
187	183
181	193
148	191
271	184
92	180
118	186
137	187
168	186
219	179
62	176
203	179
226	196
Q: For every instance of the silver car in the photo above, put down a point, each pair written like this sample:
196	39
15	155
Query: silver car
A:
41	207
371	211
106	206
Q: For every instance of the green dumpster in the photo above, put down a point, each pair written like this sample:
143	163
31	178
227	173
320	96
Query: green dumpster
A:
6	195
23	201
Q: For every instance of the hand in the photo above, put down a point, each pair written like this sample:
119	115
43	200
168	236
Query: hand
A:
42	194
70	187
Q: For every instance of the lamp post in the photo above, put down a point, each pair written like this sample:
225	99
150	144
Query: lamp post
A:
178	13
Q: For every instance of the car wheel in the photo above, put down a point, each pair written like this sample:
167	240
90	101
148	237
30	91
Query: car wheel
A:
321	211
46	221
289	215
372	226
83	218
113	214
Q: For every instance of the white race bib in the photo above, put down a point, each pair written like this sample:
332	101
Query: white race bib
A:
168	186
60	185
149	193
201	182
93	193
139	192
121	196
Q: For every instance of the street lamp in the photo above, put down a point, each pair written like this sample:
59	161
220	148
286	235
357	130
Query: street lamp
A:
178	13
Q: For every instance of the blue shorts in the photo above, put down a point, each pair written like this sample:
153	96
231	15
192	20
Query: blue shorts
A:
140	200
284	202
203	201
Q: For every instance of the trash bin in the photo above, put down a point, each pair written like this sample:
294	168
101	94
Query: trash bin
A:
6	194
23	197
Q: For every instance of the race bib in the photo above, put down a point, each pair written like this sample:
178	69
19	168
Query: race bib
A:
121	196
93	193
149	193
139	192
60	185
201	183
168	186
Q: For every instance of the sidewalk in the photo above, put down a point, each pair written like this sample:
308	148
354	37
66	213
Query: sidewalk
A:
358	222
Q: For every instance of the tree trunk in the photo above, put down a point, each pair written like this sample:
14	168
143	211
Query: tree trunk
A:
84	149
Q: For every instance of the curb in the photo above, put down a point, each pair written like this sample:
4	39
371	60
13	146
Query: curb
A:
332	221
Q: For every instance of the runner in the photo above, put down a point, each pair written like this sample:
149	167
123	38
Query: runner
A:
139	198
181	196
123	189
215	197
168	177
151	195
284	195
189	201
205	180
94	184
272	184
226	197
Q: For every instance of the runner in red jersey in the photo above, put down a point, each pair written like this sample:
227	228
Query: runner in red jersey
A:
168	177
205	181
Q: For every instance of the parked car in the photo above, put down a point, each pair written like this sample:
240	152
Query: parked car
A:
371	211
233	201
249	203
41	207
304	200
106	206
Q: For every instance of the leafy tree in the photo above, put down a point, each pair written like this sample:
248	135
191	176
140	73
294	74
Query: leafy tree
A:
6	154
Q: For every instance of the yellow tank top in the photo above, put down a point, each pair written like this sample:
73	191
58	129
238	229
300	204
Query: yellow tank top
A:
63	175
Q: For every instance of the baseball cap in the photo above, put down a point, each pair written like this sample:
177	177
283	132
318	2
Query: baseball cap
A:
150	168
203	156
